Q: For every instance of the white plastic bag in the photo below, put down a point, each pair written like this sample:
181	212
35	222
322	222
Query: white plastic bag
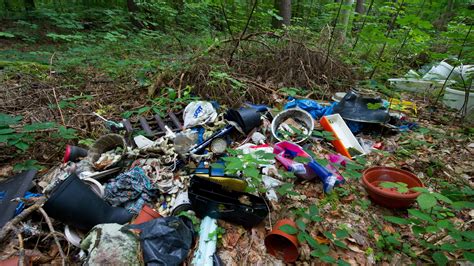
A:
199	113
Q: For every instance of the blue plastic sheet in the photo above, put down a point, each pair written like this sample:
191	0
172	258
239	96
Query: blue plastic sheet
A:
312	107
21	205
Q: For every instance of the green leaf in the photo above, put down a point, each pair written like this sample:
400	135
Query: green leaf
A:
455	235
127	114
442	198
301	225
8	120
313	210
468	256
284	189
328	235
426	201
327	258
28	164
420	189
251	172
440	258
465	245
420	215
6	131
311	241
448	247
301	237
303	160
396	220
458	205
6	35
341	233
288	229
22	146
217	165
144	109
444	224
400	186
342	263
67	133
39	126
468	234
340	244
418	230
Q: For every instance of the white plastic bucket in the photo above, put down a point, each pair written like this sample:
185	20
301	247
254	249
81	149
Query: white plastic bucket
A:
455	99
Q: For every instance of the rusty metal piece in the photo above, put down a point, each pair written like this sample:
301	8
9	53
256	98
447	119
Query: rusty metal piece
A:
154	126
145	126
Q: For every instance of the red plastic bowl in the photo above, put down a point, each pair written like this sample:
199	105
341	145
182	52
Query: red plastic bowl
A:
282	245
390	198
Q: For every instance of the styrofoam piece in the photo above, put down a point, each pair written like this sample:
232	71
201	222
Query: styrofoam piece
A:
270	183
207	243
344	137
142	142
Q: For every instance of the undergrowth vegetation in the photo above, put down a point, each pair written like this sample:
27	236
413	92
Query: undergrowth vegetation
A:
60	61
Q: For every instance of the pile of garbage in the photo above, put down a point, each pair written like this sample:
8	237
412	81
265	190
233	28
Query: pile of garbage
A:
153	197
454	82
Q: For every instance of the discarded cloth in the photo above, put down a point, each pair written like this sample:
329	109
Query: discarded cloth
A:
130	190
165	241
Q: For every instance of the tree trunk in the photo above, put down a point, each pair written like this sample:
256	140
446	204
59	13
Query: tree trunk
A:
178	5
131	6
443	20
345	17
284	11
360	6
29	5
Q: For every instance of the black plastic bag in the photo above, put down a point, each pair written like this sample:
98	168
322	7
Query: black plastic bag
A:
355	107
165	241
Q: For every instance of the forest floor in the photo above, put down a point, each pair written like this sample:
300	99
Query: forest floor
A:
440	151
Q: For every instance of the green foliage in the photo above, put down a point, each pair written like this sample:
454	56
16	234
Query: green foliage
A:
6	35
22	139
308	218
248	166
433	217
398	186
26	165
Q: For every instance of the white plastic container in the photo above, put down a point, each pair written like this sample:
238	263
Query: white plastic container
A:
441	72
345	140
455	99
417	85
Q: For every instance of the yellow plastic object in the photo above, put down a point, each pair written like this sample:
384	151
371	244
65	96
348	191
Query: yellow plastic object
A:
402	105
229	183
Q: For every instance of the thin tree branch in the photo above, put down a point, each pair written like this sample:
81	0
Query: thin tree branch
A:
243	32
53	232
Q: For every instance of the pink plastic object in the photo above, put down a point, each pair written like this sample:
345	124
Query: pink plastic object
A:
285	153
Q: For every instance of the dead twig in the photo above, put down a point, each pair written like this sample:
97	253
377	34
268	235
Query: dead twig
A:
59	108
243	33
10	226
21	255
53	232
